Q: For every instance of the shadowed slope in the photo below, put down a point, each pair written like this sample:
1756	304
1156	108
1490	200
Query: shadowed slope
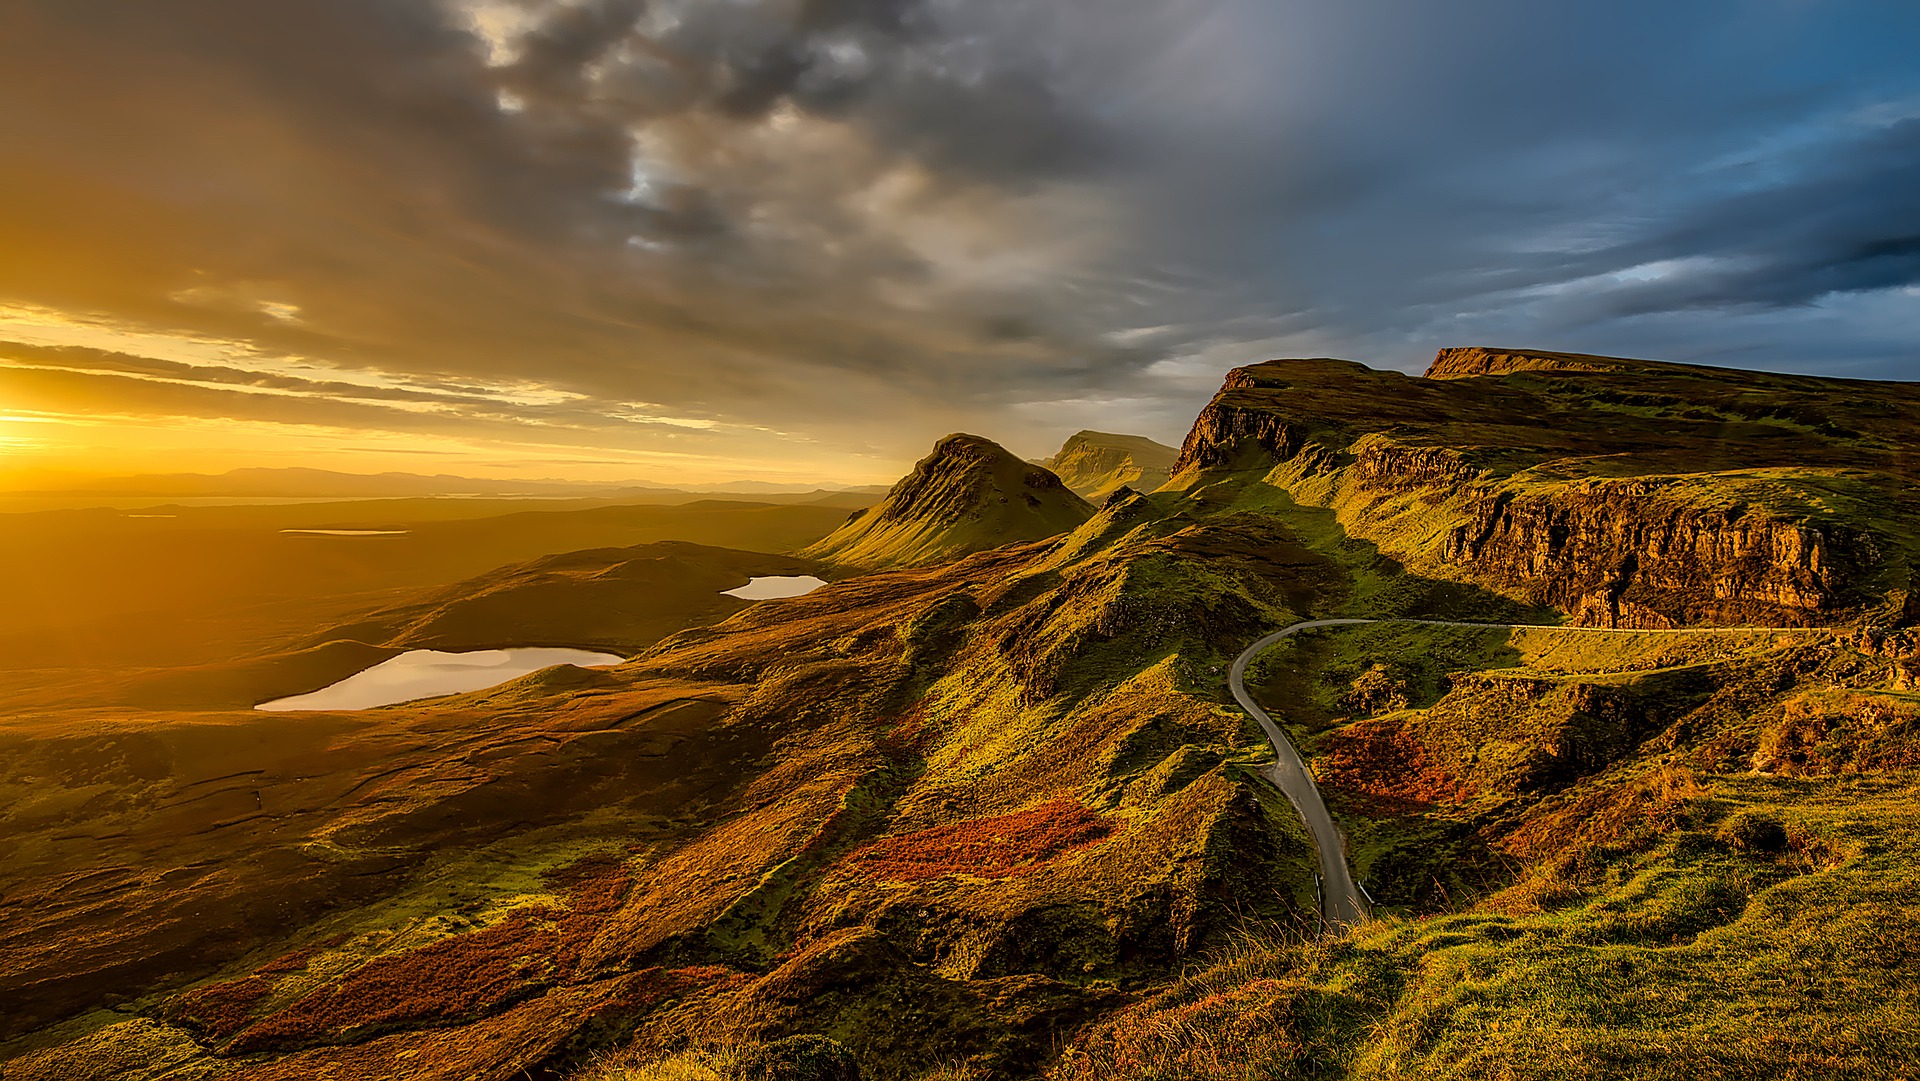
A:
612	598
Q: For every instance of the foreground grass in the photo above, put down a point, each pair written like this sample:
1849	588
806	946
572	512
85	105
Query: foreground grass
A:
1775	933
797	1058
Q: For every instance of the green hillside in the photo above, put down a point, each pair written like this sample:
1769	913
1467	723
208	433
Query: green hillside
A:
1094	464
967	496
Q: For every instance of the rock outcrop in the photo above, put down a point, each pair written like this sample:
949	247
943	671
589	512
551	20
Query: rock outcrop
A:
1467	361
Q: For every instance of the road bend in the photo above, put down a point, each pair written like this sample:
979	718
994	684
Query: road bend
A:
1343	906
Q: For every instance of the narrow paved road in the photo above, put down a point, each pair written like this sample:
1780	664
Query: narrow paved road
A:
1342	904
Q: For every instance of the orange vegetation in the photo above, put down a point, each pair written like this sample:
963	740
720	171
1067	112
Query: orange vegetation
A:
462	976
222	1009
1380	766
1616	814
1841	731
997	847
1260	1026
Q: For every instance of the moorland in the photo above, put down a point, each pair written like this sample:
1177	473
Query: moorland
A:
983	806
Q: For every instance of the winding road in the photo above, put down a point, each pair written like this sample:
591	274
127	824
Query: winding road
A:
1342	904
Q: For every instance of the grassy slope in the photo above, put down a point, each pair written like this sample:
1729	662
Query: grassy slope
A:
969	495
860	759
1093	464
1671	915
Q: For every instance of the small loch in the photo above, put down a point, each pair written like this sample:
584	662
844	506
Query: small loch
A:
776	587
429	673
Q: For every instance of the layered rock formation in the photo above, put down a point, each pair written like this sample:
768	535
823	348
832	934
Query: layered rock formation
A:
1620	554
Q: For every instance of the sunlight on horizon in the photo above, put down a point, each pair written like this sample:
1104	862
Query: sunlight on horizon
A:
47	444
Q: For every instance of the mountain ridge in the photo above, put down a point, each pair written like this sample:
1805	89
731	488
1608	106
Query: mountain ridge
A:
1642	496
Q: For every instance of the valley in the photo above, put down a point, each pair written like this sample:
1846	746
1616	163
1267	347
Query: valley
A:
1597	682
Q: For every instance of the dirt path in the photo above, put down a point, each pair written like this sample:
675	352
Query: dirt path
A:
1342	904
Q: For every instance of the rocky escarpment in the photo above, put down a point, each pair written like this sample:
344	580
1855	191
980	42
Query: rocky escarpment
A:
1463	362
1389	466
1624	493
1222	432
1226	428
1620	554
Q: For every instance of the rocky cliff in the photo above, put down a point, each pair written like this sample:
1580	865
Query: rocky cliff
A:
1621	554
1624	493
1464	361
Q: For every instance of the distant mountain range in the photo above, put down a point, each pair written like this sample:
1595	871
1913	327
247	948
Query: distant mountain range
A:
302	483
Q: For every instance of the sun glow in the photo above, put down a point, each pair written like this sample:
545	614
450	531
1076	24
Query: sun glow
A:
94	395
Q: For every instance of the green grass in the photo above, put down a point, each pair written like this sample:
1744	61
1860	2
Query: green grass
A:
1689	959
1666	913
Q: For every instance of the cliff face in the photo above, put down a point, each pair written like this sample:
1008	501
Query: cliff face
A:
1222	431
1466	361
1388	466
1625	493
1620	555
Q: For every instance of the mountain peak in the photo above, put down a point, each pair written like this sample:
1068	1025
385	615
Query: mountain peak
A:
969	495
1093	464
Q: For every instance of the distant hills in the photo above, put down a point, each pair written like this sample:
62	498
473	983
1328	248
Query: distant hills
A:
295	482
969	495
622	599
1093	464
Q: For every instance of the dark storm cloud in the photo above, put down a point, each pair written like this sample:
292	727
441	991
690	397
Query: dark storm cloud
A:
1850	223
896	216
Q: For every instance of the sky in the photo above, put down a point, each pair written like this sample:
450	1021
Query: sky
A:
798	240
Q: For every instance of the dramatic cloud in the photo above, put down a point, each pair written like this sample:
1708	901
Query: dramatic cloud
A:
824	231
